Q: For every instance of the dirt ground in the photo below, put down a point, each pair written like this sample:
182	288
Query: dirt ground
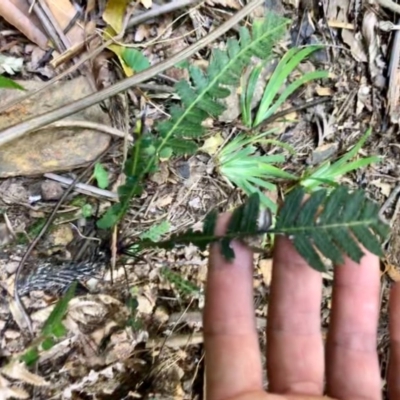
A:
134	330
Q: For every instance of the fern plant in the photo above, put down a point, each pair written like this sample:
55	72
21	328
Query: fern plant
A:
325	224
240	165
272	99
199	101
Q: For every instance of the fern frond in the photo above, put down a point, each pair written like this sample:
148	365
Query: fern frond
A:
324	224
331	224
201	98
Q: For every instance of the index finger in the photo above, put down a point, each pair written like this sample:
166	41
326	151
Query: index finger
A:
233	359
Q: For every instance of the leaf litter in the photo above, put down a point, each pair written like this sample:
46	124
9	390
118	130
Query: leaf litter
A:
106	334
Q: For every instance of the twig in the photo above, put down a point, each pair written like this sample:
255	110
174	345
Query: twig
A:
87	125
157	11
48	25
19	130
50	219
82	187
391	5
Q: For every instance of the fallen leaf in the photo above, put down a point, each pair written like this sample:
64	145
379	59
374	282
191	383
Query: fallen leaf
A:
63	11
145	306
266	270
212	144
114	14
324	91
355	42
7	392
16	13
51	149
17	370
384	187
393	272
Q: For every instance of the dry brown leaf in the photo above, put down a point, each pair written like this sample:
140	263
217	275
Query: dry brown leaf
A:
355	42
16	370
51	149
266	270
63	12
393	272
16	13
7	392
384	187
114	14
212	144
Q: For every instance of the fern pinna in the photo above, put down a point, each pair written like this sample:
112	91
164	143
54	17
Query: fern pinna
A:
323	223
200	99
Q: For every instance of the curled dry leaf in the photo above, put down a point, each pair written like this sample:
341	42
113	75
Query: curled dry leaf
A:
16	370
16	13
9	392
375	61
355	42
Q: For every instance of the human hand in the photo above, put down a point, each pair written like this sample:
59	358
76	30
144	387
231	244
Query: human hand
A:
298	367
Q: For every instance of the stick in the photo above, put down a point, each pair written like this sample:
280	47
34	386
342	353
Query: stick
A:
19	130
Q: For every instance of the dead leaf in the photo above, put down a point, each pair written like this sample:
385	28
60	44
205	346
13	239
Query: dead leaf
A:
212	144
114	14
17	370
63	12
355	42
266	270
324	91
9	392
384	187
393	272
16	13
51	149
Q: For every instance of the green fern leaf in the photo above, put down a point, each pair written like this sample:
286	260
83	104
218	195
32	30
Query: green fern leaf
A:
201	97
335	224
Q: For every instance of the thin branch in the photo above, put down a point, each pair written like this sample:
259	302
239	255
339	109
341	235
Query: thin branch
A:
19	130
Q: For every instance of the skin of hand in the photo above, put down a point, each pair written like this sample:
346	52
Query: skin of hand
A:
299	366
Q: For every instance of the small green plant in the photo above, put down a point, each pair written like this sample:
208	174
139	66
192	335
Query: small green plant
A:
52	329
7	83
101	176
272	99
183	286
329	173
239	164
200	100
328	223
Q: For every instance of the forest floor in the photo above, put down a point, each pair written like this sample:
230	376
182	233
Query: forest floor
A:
135	330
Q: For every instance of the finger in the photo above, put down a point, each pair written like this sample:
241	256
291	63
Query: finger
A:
394	329
352	359
295	354
233	361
